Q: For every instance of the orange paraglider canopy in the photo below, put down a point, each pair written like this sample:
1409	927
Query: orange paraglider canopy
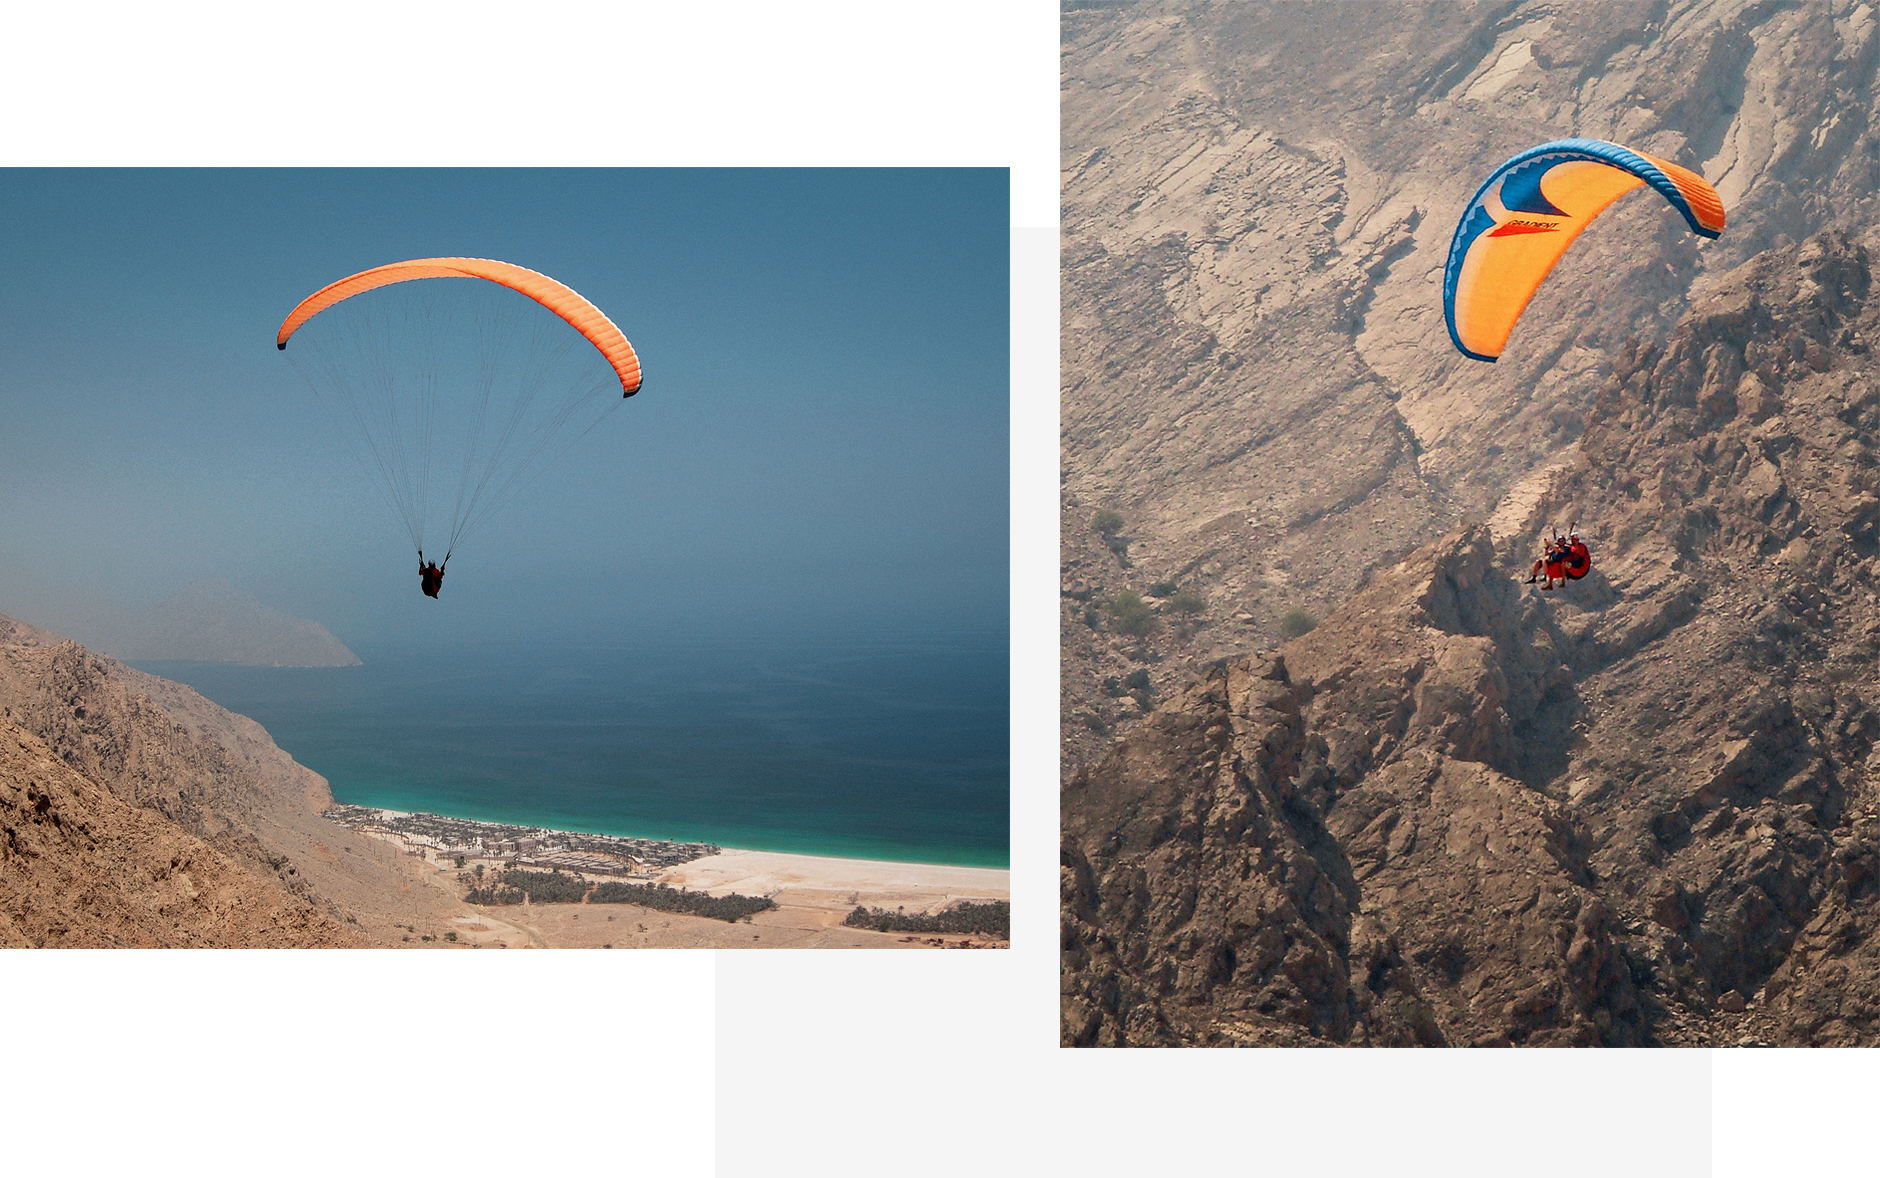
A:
582	315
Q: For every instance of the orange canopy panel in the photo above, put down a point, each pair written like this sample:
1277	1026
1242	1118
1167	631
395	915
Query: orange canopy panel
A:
1530	210
580	314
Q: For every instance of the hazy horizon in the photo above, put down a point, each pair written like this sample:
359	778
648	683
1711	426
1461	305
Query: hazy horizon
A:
822	445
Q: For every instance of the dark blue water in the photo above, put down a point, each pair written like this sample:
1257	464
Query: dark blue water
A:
884	750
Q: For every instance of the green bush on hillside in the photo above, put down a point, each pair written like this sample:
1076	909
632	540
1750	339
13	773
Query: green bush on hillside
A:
1295	622
1131	615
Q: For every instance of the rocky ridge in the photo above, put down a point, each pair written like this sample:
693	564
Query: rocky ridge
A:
84	868
1644	810
135	812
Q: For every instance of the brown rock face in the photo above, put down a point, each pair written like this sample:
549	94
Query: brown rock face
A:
79	867
1190	882
135	812
1727	695
1644	809
1356	840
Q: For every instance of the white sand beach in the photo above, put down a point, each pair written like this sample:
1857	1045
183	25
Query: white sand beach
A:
817	881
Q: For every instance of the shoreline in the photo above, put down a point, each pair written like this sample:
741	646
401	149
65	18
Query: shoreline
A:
631	769
514	830
813	898
814	894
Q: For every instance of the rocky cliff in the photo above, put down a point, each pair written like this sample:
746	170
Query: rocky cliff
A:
1644	809
135	812
1257	203
84	868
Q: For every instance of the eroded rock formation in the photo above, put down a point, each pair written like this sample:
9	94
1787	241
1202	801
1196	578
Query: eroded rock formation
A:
135	812
1641	810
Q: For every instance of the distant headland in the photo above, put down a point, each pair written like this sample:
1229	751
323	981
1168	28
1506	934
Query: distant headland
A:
214	622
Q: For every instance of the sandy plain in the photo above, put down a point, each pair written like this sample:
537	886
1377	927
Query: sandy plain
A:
813	894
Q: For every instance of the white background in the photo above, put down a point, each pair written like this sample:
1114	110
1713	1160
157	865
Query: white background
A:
676	1063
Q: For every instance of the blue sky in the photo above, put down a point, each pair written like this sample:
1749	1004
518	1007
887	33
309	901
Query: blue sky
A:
822	443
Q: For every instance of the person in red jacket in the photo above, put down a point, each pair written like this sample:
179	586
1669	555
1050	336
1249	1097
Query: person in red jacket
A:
1579	558
430	576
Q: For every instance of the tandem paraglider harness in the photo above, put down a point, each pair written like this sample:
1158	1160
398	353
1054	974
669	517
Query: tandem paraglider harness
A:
1567	558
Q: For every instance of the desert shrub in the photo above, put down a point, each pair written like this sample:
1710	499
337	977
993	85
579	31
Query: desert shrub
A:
1131	615
1187	603
1162	589
1295	622
1109	525
1137	684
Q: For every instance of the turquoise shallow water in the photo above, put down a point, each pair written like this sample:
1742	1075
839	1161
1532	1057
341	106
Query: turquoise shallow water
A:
886	750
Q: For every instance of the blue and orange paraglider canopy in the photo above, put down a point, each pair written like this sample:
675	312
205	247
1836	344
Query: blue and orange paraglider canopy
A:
1529	210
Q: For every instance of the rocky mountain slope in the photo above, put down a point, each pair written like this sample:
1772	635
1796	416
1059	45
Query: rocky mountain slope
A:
1257	203
214	622
135	812
83	868
1642	810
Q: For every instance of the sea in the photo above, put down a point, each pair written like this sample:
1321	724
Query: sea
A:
872	749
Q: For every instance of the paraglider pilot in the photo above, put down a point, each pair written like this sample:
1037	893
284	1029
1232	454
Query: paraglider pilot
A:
430	576
1566	559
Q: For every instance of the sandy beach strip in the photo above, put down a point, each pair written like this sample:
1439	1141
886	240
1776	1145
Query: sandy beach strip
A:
816	881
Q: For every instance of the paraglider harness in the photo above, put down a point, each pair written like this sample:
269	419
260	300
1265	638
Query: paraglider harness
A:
431	576
1567	557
